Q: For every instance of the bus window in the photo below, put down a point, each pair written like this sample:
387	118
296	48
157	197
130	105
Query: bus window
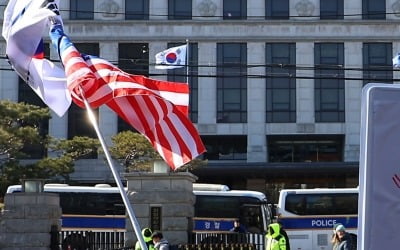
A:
92	203
217	206
321	204
251	218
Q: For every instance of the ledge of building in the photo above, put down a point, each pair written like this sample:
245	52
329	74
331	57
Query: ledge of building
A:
282	168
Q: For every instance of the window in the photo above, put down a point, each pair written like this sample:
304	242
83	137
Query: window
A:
373	9
235	9
179	9
133	58
322	204
78	122
331	9
217	206
277	9
91	203
298	148
82	9
329	82
227	147
179	75
281	89
231	83
377	62
27	95
136	9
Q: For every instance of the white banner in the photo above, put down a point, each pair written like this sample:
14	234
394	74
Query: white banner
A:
379	200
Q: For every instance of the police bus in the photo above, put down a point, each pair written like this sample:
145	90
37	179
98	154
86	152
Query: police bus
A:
100	208
217	207
309	215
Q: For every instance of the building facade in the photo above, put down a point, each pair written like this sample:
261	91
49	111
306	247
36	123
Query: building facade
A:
275	84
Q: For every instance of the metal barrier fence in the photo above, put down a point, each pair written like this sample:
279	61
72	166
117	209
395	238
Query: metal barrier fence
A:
87	240
258	240
227	246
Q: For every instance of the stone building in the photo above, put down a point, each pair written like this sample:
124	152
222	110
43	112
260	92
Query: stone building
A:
275	84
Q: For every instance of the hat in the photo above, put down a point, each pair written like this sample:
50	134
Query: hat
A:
157	235
340	227
146	232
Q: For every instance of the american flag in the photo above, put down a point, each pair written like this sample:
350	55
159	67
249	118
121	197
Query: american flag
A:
157	109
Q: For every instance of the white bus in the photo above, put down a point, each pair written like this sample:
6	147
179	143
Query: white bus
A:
100	208
309	215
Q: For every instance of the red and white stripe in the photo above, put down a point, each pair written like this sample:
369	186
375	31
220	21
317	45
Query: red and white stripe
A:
157	109
396	180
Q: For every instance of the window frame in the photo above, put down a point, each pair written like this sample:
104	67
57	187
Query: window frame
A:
337	13
328	66
272	14
372	71
273	111
179	75
137	14
231	70
77	12
369	13
175	14
234	14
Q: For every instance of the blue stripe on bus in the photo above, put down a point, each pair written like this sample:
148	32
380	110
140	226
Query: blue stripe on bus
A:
93	222
212	225
317	223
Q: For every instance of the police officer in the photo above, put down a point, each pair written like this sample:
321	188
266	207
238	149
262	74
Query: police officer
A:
274	239
146	233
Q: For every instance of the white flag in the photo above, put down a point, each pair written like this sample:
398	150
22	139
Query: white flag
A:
171	58
396	61
23	26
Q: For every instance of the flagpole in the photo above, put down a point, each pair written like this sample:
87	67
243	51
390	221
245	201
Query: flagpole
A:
117	178
187	60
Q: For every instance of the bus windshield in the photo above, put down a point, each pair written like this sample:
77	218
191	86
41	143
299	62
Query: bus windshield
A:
248	210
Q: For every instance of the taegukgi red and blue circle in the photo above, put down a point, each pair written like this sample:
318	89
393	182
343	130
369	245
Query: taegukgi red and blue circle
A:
171	57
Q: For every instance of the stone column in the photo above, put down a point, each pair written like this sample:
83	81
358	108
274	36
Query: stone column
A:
257	143
27	221
305	89
162	201
353	59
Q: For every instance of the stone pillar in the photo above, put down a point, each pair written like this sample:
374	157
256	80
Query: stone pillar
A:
162	201
28	219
